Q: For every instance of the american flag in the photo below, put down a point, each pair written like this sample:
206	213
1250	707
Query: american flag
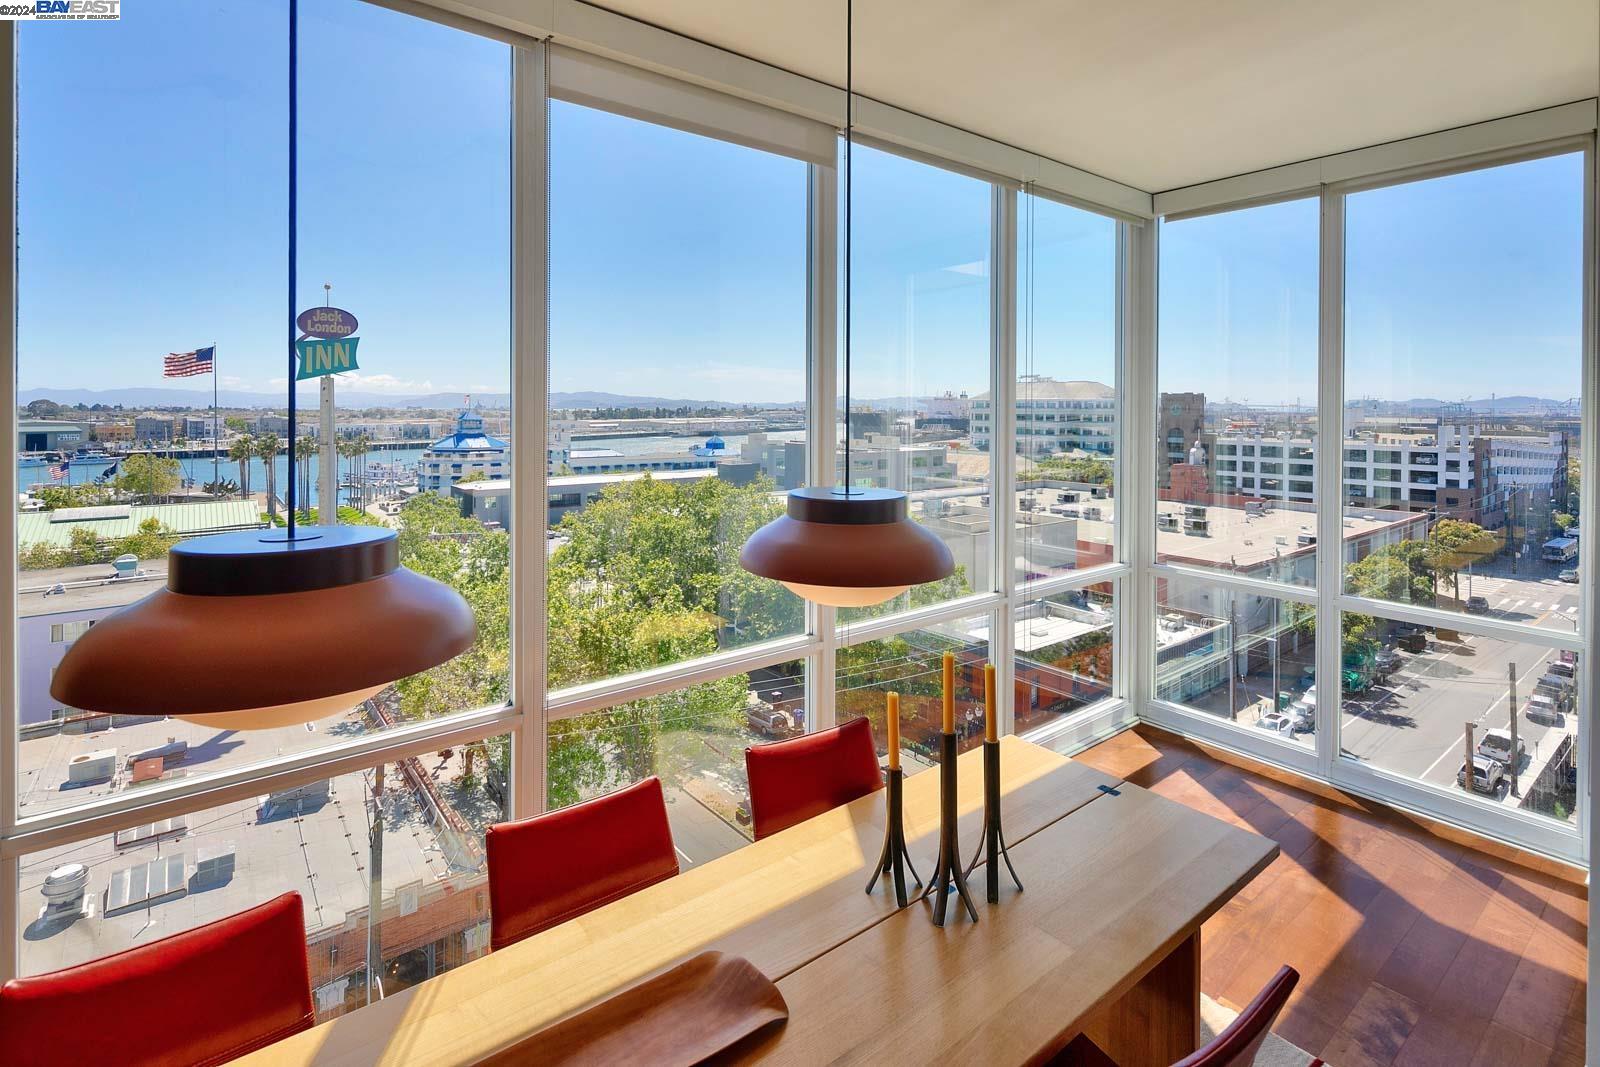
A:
59	471
188	364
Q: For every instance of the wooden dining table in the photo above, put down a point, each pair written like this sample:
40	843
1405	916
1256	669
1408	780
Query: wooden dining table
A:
1103	942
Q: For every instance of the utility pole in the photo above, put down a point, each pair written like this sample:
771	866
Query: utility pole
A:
375	890
1233	703
1471	771
1516	759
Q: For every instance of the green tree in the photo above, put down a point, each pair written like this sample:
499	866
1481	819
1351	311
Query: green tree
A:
148	477
267	447
241	451
72	496
1454	545
1563	521
1088	469
1390	573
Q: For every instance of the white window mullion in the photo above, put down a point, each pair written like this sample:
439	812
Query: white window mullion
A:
1136	466
1002	445
530	372
822	372
9	754
1329	473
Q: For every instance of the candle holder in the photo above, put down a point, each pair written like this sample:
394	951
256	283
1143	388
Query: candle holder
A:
947	871
992	843
895	861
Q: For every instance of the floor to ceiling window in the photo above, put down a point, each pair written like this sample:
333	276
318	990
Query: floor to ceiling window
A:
1450	643
1463	350
920	353
152	369
1236	439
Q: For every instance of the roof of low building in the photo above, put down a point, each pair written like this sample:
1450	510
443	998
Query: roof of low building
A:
210	516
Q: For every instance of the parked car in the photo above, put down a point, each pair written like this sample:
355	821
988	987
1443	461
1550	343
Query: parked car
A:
1542	707
1496	744
1563	669
1570	576
1276	722
1413	641
1386	662
1487	775
764	718
1477	605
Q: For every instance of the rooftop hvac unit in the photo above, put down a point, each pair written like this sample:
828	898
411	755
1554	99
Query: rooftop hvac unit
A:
92	766
1171	622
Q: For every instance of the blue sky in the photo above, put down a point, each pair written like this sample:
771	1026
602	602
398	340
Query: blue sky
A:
153	207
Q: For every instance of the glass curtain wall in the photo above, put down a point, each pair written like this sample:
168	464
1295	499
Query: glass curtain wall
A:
1451	663
691	244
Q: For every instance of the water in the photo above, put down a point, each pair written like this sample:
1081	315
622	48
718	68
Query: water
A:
198	469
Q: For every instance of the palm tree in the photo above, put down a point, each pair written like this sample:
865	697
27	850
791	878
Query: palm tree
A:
242	451
268	445
305	451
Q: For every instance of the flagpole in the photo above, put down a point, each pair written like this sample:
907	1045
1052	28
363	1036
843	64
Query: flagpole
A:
216	459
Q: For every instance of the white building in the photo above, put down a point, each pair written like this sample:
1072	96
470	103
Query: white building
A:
467	451
1382	469
1053	417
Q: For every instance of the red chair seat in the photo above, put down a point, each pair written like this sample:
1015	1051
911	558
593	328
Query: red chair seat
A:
791	781
556	866
197	998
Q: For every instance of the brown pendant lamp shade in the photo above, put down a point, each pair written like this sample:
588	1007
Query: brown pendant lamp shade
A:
256	630
847	549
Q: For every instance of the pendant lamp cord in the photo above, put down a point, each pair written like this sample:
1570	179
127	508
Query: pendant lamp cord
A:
849	145
294	119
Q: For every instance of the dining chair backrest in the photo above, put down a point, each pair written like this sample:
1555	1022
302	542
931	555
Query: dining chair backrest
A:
790	781
193	999
1237	1045
556	866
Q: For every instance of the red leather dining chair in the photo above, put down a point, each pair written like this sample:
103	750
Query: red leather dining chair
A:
197	998
790	781
1237	1045
559	865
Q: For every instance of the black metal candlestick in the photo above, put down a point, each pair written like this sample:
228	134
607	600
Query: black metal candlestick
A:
947	868
992	844
895	861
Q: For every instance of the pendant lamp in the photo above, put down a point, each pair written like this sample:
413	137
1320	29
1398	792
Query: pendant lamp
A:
269	628
845	546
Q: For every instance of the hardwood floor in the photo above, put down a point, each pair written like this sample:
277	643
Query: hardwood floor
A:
1412	949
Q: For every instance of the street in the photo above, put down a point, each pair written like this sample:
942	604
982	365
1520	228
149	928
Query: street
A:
1413	725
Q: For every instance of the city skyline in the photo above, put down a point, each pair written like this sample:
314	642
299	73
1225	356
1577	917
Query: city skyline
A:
637	308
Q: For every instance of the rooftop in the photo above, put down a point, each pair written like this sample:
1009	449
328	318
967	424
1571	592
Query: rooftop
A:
211	516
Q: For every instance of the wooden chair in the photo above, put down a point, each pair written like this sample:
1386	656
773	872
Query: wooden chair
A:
559	865
790	781
194	999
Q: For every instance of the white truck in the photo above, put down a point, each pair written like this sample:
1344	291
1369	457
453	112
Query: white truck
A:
765	718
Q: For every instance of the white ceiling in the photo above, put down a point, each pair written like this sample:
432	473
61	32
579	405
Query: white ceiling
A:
1165	93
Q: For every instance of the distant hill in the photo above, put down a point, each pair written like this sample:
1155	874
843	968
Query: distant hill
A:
159	397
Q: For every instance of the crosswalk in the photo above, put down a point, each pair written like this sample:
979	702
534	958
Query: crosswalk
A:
1507	604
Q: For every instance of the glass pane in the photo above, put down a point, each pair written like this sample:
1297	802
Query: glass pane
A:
205	252
911	664
1064	654
678	377
920	325
1463	357
419	822
1066	406
1411	713
1236	426
694	740
1244	657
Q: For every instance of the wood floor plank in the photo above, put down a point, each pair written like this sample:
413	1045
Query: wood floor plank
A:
1375	1029
1414	949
